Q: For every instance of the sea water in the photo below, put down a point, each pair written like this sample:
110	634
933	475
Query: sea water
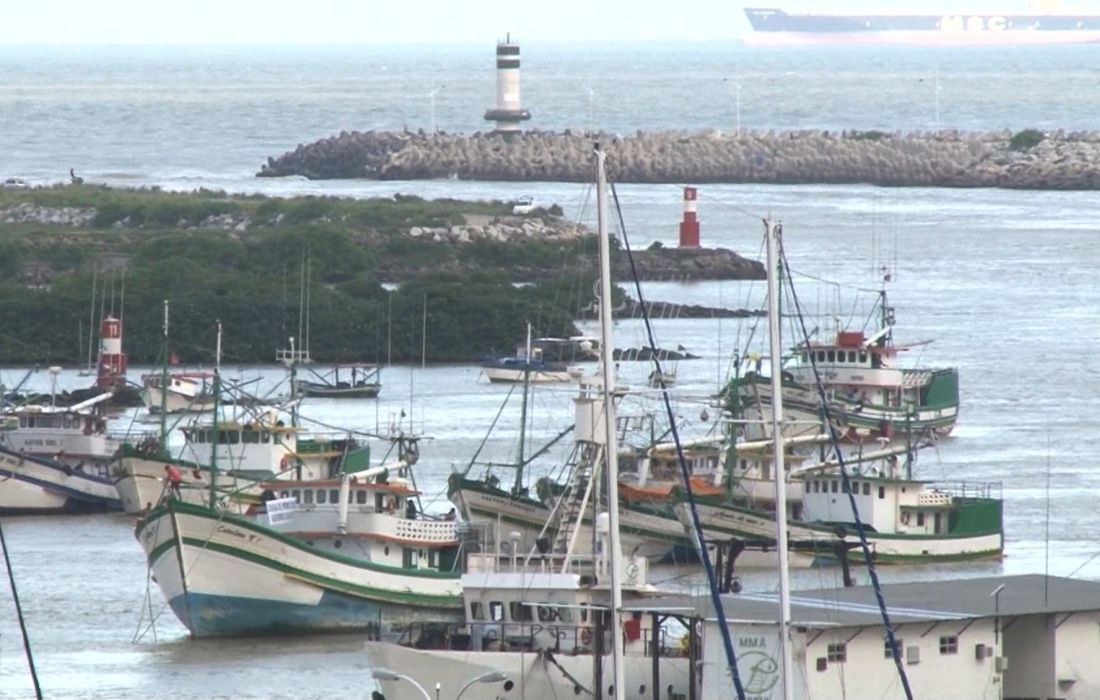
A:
1003	283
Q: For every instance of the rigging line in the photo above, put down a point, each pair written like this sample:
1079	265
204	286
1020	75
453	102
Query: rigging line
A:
712	580
19	614
734	207
480	447
834	441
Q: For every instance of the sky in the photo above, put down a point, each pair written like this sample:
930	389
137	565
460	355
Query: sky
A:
360	21
419	21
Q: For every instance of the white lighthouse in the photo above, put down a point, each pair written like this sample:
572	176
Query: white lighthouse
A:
508	113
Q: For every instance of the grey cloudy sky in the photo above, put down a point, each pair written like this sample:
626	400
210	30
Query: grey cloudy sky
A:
360	21
421	21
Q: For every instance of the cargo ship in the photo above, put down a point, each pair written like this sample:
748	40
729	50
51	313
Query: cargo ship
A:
774	27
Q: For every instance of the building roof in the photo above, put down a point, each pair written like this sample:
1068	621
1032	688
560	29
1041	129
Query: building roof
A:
923	601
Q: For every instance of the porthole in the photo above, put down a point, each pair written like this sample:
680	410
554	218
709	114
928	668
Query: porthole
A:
386	550
641	689
508	685
338	544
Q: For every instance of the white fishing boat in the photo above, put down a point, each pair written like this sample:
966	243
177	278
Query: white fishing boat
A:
76	435
57	459
315	555
179	392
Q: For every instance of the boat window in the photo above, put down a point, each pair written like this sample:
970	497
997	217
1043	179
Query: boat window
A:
411	559
23	421
820	355
322	496
496	611
477	611
882	492
851	356
265	437
519	612
920	519
234	437
744	463
297	495
378	502
361	497
862	357
433	558
308	496
334	496
866	489
250	436
283	494
584	612
834	487
830	356
855	488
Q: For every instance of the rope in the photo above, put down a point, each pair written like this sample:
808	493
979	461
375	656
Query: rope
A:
834	441
549	656
712	580
19	614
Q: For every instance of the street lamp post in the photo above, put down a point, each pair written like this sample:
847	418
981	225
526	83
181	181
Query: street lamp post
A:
431	96
996	595
384	674
487	677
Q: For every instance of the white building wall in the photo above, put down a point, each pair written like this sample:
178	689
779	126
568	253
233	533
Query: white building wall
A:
1077	653
865	672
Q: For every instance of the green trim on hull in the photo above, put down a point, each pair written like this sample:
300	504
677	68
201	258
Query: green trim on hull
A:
186	508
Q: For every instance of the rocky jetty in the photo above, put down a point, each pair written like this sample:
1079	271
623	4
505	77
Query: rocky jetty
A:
946	158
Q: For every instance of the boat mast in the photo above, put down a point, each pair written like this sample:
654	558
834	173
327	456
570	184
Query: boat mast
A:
523	413
772	233
217	406
91	318
611	448
164	386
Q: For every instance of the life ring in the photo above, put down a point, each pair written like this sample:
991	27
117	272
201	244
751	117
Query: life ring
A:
586	636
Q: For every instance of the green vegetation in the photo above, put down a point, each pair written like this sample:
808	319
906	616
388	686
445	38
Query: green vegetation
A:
872	135
156	246
1023	140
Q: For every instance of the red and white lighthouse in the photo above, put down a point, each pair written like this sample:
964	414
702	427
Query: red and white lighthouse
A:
111	372
689	227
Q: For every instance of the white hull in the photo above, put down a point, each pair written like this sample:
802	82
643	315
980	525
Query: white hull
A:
247	579
140	484
516	376
642	534
720	524
175	402
29	485
531	674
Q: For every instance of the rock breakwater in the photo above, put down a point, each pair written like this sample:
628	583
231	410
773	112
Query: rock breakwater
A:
947	158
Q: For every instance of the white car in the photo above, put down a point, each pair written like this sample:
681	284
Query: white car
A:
14	183
523	205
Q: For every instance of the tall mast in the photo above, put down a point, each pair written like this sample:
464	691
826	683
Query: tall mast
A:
773	232
217	406
91	318
164	386
523	413
611	447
